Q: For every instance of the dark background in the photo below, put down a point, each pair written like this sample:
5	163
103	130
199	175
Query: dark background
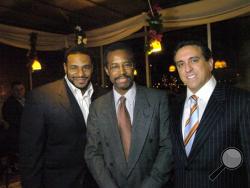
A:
230	42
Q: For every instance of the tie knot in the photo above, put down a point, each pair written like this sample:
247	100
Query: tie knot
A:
122	99
194	98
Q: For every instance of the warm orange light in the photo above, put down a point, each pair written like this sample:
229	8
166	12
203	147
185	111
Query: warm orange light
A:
155	46
220	64
172	68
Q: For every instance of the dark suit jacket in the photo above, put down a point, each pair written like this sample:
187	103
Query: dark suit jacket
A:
225	123
150	158
52	139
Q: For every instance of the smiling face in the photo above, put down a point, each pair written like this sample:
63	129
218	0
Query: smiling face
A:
120	69
194	70
79	69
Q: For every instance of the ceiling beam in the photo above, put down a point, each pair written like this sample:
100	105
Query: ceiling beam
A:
67	10
114	11
28	15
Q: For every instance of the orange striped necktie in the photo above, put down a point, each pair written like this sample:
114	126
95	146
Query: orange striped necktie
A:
191	124
124	125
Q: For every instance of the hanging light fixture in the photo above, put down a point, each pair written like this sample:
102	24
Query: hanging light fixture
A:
155	46
34	65
155	27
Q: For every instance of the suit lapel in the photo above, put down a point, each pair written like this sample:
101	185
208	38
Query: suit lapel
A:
209	119
64	98
96	93
142	118
69	103
177	124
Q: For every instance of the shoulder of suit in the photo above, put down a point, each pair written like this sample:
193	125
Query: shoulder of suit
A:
234	92
107	95
9	102
151	91
10	99
47	89
240	93
147	91
50	86
99	91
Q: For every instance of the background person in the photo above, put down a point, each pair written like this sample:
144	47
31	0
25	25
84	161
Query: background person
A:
11	113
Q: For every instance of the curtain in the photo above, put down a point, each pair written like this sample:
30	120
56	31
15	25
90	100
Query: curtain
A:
196	13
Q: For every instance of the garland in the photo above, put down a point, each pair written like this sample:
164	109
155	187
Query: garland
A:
155	26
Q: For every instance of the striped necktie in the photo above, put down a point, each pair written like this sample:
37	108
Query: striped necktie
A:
191	124
124	125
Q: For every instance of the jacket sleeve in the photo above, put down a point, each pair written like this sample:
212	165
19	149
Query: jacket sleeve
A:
32	140
162	168
245	132
94	154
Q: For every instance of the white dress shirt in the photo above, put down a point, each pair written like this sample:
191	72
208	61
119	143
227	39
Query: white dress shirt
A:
84	100
130	100
203	94
21	101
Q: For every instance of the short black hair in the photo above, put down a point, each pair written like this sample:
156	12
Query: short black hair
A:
77	49
16	83
206	52
118	46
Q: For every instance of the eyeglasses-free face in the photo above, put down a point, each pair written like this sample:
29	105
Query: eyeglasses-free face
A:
193	69
79	69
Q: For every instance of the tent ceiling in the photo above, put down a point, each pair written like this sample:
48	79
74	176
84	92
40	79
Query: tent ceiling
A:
60	16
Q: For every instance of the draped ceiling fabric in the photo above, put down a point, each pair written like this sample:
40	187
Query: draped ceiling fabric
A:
197	13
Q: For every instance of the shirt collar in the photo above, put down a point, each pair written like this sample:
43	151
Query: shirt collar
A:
130	95
205	91
88	93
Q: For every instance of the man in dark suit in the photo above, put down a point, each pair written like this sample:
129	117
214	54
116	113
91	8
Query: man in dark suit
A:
53	129
210	127
128	140
12	112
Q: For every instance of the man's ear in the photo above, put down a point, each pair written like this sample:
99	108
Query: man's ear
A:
211	63
106	70
65	68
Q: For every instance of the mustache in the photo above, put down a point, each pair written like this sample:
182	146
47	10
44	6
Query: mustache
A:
85	77
122	76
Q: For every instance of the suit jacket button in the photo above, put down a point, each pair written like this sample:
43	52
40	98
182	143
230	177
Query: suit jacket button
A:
107	144
111	164
150	140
